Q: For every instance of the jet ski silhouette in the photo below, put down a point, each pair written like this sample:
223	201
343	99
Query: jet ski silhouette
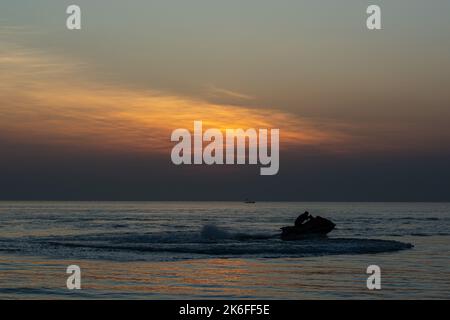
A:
307	226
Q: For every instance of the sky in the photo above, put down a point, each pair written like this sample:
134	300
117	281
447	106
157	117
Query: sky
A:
87	115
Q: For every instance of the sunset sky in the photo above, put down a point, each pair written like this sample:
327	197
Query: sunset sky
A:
87	115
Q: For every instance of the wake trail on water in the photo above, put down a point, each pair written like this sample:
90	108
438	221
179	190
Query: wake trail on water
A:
209	242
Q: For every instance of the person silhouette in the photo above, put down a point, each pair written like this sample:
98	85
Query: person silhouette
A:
302	218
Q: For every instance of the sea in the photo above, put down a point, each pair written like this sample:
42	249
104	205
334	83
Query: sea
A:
222	250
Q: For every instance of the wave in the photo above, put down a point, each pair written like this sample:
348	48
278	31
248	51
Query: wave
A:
414	218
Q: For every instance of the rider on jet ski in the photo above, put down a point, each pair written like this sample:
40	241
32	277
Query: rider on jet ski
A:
303	218
307	225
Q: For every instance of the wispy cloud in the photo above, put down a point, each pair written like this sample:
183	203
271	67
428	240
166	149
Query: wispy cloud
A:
47	99
11	31
221	92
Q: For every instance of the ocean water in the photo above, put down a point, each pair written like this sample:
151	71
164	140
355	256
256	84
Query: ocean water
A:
222	250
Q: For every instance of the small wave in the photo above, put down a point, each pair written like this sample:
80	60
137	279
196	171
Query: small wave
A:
118	226
414	218
421	234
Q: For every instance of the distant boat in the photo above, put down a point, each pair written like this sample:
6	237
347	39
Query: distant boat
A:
249	201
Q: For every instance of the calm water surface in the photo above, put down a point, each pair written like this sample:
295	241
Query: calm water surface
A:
195	250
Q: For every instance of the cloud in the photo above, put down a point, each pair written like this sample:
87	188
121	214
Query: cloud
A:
48	100
220	92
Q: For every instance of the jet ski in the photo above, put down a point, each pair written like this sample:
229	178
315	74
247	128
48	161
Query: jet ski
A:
315	226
